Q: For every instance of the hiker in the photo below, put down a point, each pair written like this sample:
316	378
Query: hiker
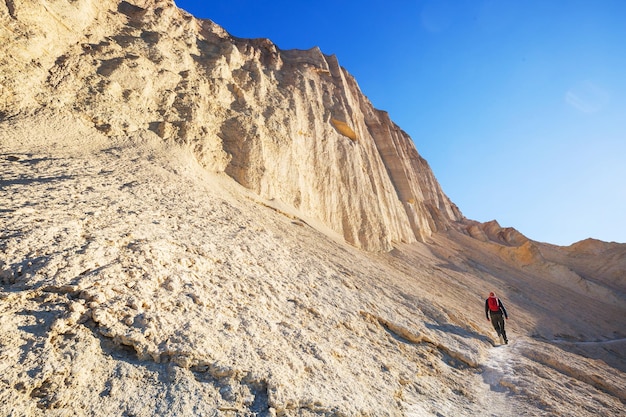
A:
495	309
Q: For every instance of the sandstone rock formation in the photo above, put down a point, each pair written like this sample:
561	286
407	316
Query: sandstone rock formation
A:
289	125
175	205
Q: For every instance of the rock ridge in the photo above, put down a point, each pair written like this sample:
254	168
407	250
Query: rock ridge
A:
288	125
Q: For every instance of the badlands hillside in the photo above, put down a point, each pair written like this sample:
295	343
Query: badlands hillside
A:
199	225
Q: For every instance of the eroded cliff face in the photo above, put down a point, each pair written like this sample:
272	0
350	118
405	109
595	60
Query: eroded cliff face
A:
135	281
290	125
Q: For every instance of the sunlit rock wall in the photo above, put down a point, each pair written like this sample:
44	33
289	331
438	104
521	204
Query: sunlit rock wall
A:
289	125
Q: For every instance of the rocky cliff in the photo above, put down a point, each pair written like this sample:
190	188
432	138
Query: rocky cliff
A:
289	125
175	205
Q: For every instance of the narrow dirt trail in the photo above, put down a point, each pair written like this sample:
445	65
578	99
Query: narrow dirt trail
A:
493	393
490	393
505	385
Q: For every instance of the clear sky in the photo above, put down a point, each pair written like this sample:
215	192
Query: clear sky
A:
519	106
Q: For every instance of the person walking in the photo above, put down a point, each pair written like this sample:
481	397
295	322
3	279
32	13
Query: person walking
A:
496	313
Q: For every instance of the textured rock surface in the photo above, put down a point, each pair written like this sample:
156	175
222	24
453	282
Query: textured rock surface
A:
289	125
134	282
137	278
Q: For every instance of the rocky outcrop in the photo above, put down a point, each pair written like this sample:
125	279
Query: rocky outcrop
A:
289	125
492	232
591	268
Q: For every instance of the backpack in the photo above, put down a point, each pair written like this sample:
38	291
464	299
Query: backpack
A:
494	304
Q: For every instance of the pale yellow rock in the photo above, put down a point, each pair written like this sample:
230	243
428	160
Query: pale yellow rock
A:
148	66
182	233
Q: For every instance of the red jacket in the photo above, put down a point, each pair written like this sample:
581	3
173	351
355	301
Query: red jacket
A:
495	301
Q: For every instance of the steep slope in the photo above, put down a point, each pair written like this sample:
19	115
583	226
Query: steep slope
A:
175	205
289	125
134	282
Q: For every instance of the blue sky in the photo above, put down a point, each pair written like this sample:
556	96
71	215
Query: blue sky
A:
518	106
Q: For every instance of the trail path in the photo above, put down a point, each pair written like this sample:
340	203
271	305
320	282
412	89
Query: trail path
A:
493	389
489	393
503	381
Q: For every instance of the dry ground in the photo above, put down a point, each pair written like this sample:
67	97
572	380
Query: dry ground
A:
135	283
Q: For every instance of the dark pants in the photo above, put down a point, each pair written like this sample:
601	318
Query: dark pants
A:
497	319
